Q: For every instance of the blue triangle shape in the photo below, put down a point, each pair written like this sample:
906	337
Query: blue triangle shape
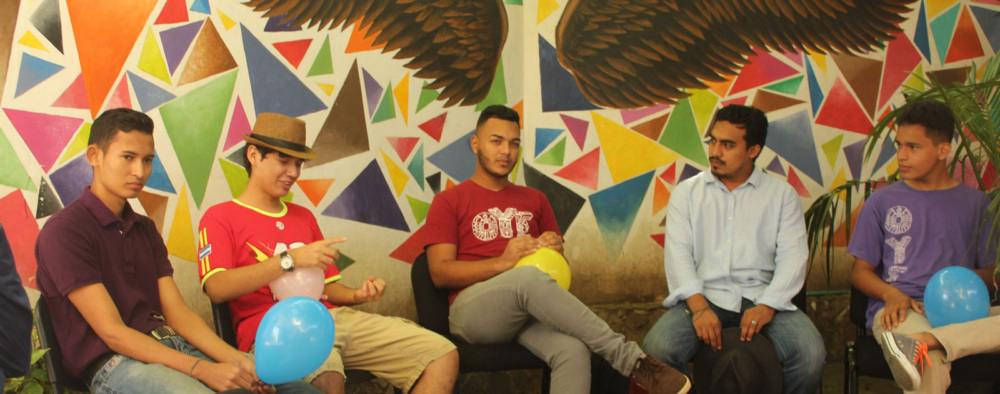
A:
70	180
887	153
615	209
457	159
792	138
920	37
416	166
943	27
989	24
201	6
544	138
33	72
559	90
815	92
368	199
275	89
687	172
158	179
148	94
274	24
373	92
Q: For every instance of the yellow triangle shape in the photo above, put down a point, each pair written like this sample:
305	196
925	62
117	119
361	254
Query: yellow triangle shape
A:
629	153
402	94
151	59
327	88
227	22
703	104
29	40
839	180
935	7
399	177
79	143
181	240
545	8
914	81
892	167
820	60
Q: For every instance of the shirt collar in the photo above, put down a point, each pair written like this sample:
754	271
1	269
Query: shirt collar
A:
753	180
104	216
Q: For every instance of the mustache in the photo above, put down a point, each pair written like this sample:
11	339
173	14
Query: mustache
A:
716	158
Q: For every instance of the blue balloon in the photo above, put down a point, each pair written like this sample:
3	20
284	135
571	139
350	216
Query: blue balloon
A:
293	340
955	295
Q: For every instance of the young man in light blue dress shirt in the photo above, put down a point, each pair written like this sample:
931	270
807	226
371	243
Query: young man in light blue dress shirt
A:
735	255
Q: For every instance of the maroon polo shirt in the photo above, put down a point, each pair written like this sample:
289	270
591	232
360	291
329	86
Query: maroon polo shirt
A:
85	243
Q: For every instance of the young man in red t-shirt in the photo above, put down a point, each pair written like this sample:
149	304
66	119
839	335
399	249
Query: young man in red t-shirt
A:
478	230
246	243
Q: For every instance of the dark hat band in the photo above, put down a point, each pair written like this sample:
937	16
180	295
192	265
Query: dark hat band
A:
279	143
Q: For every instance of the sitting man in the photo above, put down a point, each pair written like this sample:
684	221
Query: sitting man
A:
478	230
104	272
256	238
736	254
910	230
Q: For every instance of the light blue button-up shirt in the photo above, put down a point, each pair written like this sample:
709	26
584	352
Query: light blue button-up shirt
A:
749	243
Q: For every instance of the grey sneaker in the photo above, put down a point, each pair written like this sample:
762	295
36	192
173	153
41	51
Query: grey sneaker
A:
654	377
905	355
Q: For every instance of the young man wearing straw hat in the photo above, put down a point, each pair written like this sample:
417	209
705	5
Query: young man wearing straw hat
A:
246	243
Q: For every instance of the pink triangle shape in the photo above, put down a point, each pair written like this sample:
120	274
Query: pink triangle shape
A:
175	11
45	135
795	57
120	97
293	51
435	126
793	179
403	145
670	175
577	128
632	115
238	125
842	111
75	96
584	170
763	69
901	57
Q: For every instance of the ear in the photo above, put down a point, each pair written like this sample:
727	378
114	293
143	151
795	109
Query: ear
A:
93	154
943	150
754	151
474	143
251	153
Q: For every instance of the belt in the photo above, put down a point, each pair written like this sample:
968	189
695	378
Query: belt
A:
160	332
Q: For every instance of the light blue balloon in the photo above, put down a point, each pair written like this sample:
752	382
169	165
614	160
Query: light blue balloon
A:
294	338
955	295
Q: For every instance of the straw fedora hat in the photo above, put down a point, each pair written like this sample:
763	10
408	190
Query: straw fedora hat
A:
282	133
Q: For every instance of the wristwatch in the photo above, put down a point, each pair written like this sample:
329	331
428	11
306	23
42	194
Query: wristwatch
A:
286	262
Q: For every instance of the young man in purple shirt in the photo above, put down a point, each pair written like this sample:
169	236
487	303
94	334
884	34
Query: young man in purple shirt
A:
910	230
115	306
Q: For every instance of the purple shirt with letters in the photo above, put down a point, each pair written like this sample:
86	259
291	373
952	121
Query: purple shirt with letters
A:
84	244
909	235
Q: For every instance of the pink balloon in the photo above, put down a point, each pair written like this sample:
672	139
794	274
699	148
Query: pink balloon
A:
301	282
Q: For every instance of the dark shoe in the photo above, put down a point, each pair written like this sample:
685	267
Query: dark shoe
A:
652	376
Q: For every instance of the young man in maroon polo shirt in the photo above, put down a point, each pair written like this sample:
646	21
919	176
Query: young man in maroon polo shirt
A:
104	271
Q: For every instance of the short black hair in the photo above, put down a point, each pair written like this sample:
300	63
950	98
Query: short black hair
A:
112	121
748	118
935	116
498	112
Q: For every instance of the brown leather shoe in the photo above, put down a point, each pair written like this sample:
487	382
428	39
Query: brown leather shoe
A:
653	377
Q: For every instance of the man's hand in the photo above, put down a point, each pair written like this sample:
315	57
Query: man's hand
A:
708	326
223	376
551	240
318	254
896	306
370	291
754	320
247	365
517	248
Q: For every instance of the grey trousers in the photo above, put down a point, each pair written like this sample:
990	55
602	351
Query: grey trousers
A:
526	305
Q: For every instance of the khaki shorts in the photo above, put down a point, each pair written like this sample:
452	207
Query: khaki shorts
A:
392	348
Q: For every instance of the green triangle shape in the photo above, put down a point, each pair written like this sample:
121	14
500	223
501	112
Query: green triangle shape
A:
343	261
554	156
943	27
151	59
789	87
515	2
323	65
427	96
387	108
831	148
681	134
419	208
236	177
194	124
79	143
14	174
498	92
416	167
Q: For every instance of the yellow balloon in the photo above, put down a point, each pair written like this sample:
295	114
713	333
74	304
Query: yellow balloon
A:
550	262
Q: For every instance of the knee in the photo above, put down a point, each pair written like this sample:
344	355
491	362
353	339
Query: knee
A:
529	277
445	365
570	351
668	341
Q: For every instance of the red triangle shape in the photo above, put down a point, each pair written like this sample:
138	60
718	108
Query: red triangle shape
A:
120	97
411	248
75	96
901	57
793	179
670	175
659	238
842	111
737	101
403	145
293	51
434	126
965	43
763	68
315	189
584	170
175	11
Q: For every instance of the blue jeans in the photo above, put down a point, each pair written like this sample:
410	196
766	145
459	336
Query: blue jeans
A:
123	374
798	344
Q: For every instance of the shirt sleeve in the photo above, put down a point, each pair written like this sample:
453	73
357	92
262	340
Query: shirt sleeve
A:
216	247
74	263
791	254
442	222
678	256
162	262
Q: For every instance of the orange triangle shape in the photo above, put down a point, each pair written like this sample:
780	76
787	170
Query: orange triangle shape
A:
661	196
965	42
720	88
652	128
584	170
359	42
519	107
449	185
120	98
315	189
293	51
